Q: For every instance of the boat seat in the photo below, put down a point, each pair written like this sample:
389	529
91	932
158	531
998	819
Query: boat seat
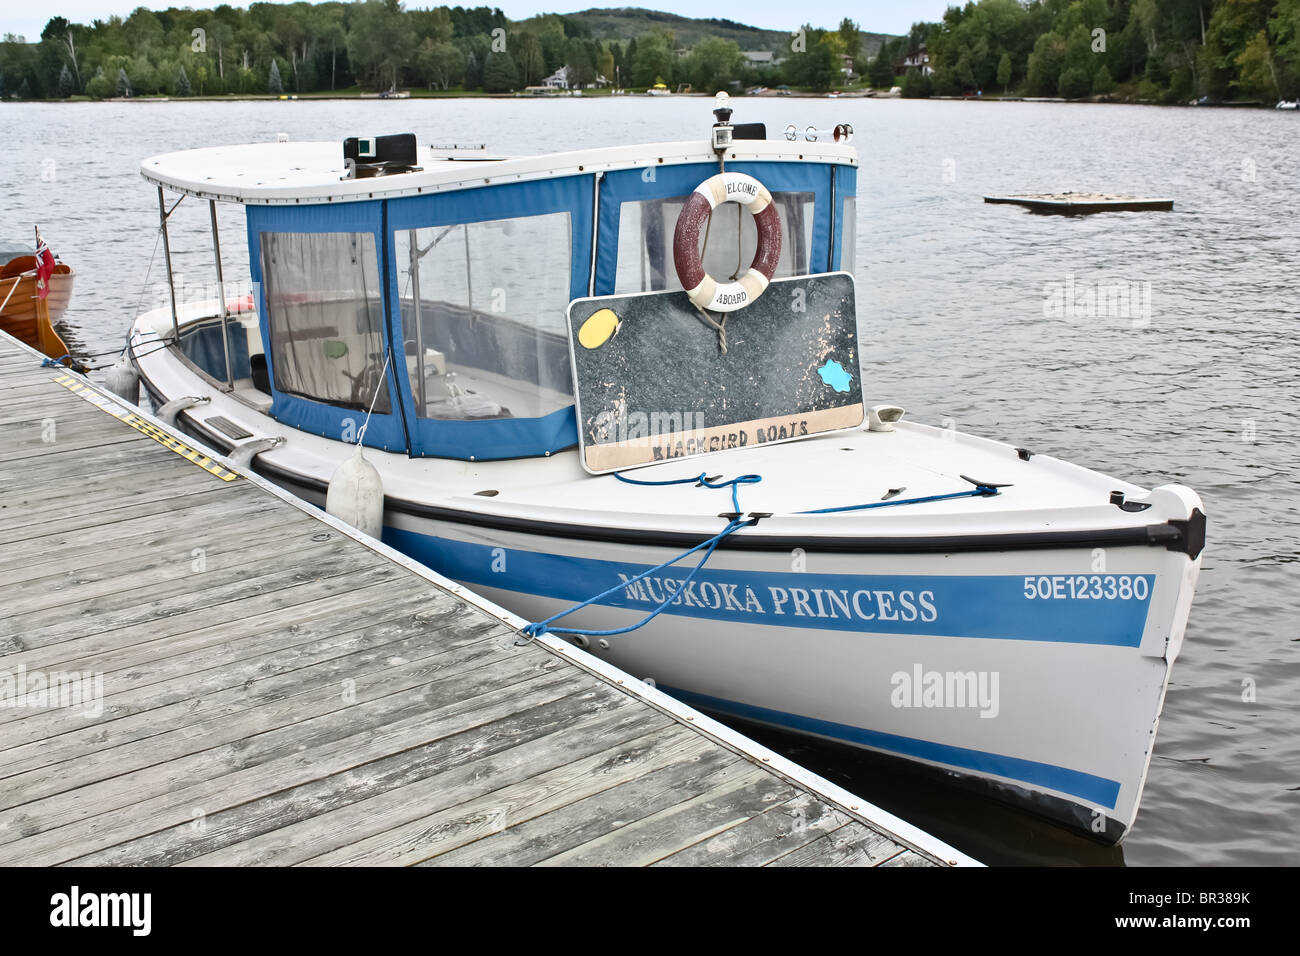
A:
260	375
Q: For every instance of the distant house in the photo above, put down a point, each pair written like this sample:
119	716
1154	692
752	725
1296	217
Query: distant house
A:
561	80
760	58
846	66
918	59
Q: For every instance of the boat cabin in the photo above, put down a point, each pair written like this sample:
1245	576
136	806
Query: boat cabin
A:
432	294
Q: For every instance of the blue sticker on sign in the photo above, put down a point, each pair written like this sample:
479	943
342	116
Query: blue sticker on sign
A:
834	375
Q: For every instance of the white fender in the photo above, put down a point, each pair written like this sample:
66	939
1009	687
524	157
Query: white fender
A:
356	495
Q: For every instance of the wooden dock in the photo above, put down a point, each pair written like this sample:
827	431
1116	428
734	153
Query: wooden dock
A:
245	680
1082	204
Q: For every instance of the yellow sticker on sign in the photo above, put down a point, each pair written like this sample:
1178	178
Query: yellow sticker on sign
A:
145	427
598	329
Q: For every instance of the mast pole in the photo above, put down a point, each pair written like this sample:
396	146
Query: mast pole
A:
221	294
167	255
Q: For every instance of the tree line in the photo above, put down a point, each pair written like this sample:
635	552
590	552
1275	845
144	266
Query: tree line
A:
373	44
1154	50
1171	51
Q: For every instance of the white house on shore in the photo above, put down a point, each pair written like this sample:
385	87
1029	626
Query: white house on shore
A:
560	80
918	59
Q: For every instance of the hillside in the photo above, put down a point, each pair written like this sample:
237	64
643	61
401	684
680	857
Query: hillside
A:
623	23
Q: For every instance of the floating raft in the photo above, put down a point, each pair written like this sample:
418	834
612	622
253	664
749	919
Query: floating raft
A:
1082	204
260	684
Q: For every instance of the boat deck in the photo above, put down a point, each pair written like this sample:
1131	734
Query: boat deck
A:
262	685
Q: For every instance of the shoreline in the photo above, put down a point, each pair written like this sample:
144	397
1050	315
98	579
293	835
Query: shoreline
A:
249	98
409	95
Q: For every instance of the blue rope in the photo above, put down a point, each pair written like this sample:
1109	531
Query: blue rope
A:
983	491
542	627
702	480
54	363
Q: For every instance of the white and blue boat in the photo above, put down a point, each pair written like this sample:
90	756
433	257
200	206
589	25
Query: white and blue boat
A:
483	326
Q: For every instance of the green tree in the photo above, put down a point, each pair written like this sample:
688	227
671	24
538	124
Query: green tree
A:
99	87
332	36
850	38
66	85
817	67
441	63
629	61
1074	83
476	49
183	83
1234	26
1285	27
881	70
1102	83
379	43
1004	72
581	64
1257	71
123	82
605	63
144	32
144	78
916	85
1045	65
713	64
500	74
530	59
274	86
654	60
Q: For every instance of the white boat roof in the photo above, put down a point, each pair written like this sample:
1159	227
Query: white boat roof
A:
291	173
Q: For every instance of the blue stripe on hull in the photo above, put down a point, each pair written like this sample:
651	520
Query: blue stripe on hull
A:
984	606
571	578
1095	790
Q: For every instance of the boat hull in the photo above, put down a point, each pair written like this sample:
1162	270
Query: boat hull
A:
1034	668
982	666
25	317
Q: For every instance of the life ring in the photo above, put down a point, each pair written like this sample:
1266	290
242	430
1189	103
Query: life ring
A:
705	291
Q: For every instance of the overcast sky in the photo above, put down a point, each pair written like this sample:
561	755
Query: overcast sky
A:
896	16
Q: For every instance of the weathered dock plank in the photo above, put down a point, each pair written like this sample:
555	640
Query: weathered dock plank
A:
272	688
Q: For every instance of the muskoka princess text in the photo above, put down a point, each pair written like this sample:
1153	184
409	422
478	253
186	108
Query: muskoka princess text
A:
863	604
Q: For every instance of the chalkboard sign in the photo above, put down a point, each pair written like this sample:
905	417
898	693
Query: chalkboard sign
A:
653	382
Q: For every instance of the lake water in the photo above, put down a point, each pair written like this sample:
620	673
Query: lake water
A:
1197	384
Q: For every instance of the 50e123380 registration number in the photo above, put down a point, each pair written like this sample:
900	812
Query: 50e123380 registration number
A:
1088	587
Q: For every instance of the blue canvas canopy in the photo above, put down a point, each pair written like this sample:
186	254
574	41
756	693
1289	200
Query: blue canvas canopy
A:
442	315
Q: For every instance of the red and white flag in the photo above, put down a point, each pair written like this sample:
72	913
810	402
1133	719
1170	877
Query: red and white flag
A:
44	267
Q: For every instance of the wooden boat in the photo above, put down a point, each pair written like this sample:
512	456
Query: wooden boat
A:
28	318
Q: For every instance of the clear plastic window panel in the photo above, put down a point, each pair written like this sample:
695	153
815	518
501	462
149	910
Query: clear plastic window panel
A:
849	236
483	316
326	317
645	241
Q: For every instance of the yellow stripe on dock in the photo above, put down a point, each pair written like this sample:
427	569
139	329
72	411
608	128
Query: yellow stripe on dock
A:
147	428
